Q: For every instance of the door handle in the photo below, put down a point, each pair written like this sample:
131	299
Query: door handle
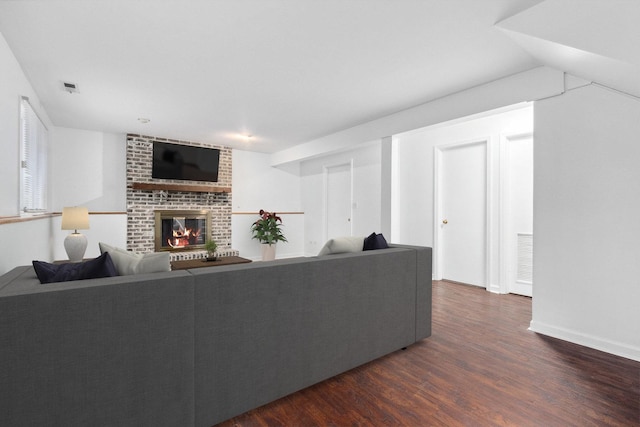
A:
444	221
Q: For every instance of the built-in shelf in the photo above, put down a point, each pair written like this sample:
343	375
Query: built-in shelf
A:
180	187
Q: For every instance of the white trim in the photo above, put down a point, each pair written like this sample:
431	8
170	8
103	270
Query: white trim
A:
505	255
490	144
394	234
437	205
26	98
598	343
503	212
504	199
33	160
386	185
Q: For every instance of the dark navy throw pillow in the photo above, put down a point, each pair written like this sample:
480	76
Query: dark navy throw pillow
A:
92	269
375	241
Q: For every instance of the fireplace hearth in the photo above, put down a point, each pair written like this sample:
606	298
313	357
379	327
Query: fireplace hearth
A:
181	230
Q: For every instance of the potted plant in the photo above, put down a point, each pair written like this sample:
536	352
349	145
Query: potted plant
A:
211	246
267	231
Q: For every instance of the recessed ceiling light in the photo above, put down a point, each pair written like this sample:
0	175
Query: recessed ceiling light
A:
143	120
241	136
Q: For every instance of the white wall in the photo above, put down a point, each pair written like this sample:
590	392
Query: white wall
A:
43	239
88	169
107	228
257	185
85	168
413	175
586	220
23	241
14	85
366	193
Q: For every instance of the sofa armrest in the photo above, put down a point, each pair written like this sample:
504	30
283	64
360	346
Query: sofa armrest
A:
105	352
424	276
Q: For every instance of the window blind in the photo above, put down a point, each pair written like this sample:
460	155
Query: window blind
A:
33	161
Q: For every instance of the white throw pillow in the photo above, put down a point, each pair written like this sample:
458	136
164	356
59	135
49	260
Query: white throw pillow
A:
341	245
154	262
131	263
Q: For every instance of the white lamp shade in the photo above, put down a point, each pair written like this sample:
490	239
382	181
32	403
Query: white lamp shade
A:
75	218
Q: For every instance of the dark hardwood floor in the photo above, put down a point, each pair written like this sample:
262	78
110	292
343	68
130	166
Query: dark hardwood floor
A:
480	367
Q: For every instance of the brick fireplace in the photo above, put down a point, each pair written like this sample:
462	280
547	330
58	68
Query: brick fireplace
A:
147	195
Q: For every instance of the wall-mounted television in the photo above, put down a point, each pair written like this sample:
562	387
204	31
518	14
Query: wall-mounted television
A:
175	161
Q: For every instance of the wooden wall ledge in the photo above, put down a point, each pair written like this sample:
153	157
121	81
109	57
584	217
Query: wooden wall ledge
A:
180	187
17	218
278	213
35	217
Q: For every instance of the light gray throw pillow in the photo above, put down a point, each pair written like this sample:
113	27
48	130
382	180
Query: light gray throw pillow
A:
131	263
341	245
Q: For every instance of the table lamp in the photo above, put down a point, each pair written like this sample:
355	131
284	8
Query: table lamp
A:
75	244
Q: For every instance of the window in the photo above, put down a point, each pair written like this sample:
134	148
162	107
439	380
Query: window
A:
33	160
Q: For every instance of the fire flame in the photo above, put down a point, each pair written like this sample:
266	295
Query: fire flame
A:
180	238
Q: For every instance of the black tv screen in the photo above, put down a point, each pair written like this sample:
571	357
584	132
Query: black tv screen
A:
173	161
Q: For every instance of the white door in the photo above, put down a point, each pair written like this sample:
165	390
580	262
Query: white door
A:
463	213
338	197
519	214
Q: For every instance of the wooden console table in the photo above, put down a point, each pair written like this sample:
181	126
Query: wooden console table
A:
198	263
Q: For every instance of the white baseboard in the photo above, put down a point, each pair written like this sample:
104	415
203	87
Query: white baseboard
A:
598	343
495	289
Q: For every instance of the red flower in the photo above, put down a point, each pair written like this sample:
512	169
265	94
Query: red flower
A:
266	229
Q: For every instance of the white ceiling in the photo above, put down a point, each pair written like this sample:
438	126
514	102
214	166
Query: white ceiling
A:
291	71
596	40
285	71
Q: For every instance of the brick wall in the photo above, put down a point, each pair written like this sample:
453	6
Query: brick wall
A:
141	204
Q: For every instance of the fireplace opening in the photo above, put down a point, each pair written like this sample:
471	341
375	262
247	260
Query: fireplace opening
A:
181	230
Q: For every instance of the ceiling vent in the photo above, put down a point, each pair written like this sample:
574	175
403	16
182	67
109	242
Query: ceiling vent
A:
70	87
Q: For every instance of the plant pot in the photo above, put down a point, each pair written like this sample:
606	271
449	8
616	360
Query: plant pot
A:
268	251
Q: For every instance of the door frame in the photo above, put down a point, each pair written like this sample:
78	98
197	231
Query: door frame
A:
325	196
438	152
506	250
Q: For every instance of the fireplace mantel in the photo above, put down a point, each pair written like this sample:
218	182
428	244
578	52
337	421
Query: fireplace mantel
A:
180	187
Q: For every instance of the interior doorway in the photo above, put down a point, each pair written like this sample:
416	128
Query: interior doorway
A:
338	200
421	204
461	212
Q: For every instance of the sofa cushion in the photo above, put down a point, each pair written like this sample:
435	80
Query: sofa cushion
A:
92	269
131	263
375	241
340	245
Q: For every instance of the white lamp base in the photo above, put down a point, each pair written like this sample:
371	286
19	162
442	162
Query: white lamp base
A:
75	244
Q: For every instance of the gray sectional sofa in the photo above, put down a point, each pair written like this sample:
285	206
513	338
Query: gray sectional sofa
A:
196	347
